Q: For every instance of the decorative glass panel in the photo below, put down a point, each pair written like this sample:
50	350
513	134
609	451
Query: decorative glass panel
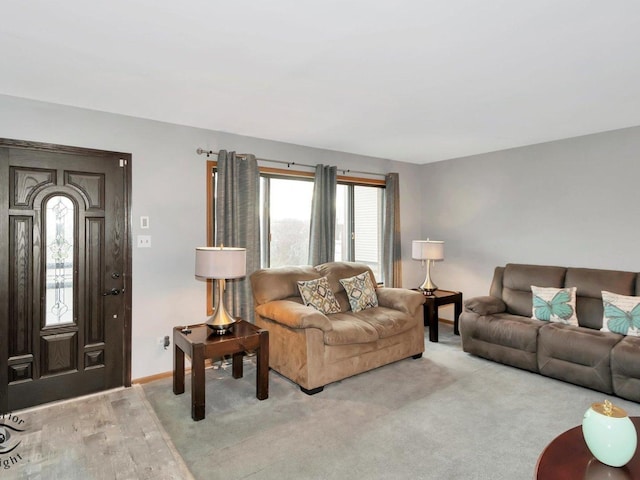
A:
59	220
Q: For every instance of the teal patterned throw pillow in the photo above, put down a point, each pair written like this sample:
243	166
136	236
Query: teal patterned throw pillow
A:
318	294
361	292
621	314
555	305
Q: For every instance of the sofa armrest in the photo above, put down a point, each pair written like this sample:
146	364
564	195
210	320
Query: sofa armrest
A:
294	315
407	301
486	305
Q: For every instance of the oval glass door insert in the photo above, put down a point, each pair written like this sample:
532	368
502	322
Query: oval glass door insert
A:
59	221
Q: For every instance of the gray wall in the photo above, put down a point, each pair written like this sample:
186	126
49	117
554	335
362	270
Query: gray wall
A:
572	202
169	182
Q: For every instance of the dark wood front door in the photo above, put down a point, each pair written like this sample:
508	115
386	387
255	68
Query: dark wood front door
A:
65	264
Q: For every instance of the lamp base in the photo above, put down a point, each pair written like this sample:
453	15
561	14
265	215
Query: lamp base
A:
428	287
221	322
219	329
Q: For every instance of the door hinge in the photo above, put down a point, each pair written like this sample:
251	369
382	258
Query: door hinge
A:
123	162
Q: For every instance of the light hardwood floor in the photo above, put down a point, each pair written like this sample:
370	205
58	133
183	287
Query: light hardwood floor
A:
113	435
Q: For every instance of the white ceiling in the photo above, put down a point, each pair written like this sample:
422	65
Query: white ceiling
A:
413	80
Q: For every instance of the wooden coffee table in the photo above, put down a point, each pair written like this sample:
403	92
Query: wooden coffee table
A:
200	344
567	457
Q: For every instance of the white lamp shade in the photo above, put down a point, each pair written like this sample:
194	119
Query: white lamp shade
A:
427	250
221	262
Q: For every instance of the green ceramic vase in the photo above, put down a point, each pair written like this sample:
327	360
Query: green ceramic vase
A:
609	434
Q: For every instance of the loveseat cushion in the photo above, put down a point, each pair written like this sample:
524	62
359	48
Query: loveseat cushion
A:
294	315
386	321
347	329
279	283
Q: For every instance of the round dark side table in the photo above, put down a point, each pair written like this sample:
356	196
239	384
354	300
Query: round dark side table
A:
567	457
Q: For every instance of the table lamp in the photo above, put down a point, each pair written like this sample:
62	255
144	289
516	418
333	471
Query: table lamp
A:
429	251
221	263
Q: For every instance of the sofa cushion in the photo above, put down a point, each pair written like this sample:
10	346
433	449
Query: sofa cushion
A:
509	330
621	314
625	368
576	355
554	305
361	292
590	282
317	294
346	329
517	281
502	337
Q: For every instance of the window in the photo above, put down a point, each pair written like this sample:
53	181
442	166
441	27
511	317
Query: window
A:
285	220
359	213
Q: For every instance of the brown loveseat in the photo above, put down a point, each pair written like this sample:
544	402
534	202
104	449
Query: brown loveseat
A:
499	327
313	349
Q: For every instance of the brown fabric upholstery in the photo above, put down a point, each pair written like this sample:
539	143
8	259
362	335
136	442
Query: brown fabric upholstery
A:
590	283
582	355
517	281
502	337
313	349
625	368
577	355
279	283
486	305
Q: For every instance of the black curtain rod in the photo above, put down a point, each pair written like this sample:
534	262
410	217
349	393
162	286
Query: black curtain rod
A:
208	153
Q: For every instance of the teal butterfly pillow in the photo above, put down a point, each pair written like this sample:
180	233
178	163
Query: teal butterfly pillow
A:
621	314
555	305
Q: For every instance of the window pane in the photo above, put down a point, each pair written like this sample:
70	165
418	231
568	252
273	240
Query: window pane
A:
290	214
368	227
59	219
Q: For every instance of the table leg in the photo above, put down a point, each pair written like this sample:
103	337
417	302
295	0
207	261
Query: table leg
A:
236	370
456	315
433	321
178	369
262	376
197	383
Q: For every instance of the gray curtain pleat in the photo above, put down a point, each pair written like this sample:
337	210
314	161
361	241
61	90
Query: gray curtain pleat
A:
391	253
238	223
323	216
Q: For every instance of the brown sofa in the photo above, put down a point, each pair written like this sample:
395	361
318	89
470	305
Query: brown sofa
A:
313	349
499	327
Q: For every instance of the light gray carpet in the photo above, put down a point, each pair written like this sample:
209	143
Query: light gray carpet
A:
447	415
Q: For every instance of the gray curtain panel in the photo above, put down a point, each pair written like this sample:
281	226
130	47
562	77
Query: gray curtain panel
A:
391	246
238	223
323	216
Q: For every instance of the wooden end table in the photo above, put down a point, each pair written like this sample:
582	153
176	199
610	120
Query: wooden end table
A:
200	344
567	457
431	304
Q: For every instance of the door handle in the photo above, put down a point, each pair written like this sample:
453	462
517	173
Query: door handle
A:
113	291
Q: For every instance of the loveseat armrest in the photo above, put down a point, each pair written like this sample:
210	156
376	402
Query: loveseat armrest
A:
294	315
485	305
402	299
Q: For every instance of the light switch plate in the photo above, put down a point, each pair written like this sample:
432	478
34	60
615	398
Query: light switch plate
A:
144	222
